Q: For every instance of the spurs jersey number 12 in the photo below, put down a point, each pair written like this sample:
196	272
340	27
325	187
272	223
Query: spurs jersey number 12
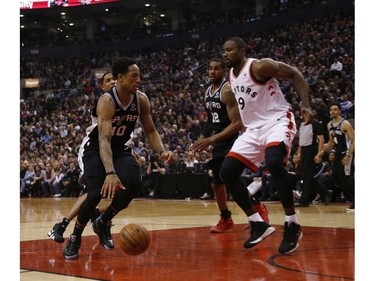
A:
216	109
258	103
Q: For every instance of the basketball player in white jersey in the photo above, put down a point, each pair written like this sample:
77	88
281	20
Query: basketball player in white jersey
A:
220	131
270	129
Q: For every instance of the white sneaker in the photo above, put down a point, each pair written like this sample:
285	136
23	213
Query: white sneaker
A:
350	210
255	186
297	194
57	195
205	196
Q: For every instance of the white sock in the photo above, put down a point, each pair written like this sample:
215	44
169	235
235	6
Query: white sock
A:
291	218
255	217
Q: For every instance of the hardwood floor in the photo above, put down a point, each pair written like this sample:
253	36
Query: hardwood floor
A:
182	247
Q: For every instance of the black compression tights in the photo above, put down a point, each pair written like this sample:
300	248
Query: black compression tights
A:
232	169
230	172
274	159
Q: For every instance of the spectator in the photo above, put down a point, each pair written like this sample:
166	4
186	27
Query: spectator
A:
70	184
154	170
143	169
24	165
48	181
190	161
27	180
320	169
326	177
36	185
57	183
139	148
347	107
336	67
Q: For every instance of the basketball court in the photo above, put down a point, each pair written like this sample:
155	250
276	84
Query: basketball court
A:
182	247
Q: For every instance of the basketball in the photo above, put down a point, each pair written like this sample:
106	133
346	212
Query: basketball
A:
134	239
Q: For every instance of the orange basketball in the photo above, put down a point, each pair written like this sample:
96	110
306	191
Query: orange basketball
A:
134	239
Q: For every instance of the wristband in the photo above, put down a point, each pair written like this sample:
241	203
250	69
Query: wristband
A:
110	173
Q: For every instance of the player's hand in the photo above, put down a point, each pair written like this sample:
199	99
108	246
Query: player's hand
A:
200	145
111	184
167	156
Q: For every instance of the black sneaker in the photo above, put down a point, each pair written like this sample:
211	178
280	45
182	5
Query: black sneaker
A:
104	233
72	247
56	234
259	231
292	233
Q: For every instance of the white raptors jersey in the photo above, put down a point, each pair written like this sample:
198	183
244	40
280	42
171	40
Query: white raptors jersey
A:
258	103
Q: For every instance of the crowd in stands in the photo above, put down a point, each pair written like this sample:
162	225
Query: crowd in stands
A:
53	122
190	21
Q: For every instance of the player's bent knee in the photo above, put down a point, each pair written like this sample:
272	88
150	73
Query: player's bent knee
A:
230	169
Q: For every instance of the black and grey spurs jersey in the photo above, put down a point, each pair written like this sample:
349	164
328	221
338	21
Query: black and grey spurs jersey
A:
341	140
123	123
218	118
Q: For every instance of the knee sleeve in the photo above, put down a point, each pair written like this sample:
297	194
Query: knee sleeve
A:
230	172
274	159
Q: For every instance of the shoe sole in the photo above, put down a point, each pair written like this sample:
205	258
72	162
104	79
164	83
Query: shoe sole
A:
71	257
295	248
52	236
106	247
267	233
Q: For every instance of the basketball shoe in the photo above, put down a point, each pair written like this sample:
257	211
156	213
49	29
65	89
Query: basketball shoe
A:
104	233
72	247
56	233
292	234
222	225
258	232
261	209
